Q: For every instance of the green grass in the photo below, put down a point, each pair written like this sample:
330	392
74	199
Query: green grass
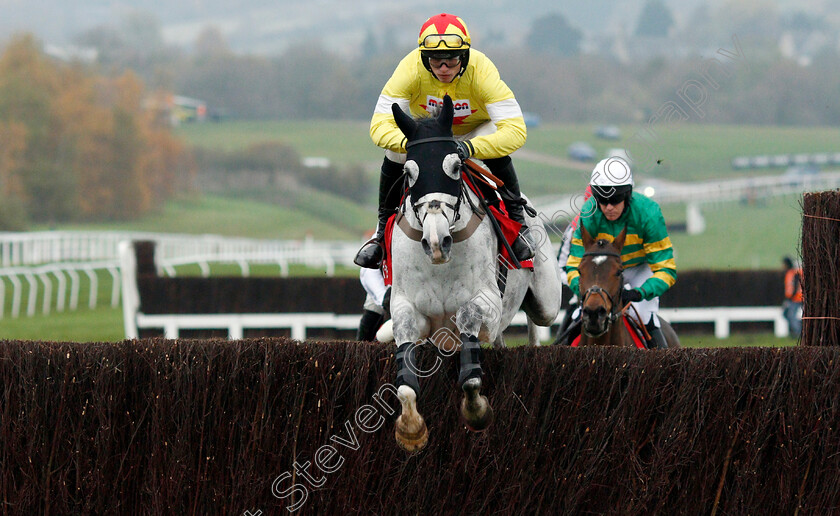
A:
341	141
103	324
739	236
689	152
232	217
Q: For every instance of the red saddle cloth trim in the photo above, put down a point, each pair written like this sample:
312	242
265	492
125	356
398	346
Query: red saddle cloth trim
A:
510	228
636	340
386	260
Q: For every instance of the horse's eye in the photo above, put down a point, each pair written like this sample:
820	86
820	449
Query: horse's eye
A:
619	272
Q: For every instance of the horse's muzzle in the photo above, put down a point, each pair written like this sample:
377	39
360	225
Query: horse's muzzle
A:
438	253
595	321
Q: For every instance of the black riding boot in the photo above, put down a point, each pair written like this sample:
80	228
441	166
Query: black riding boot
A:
657	339
390	193
369	325
569	328
523	247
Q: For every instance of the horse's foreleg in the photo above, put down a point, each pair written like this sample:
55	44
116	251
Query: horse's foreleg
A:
475	408
410	429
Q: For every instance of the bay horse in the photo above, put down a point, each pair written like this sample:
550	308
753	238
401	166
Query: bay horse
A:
601	281
445	274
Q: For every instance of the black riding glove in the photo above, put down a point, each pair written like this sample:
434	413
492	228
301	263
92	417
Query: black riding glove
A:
632	295
465	149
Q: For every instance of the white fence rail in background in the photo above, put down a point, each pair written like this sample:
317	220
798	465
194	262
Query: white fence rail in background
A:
68	279
299	323
52	265
47	247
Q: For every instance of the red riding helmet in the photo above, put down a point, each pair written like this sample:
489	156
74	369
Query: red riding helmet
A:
444	36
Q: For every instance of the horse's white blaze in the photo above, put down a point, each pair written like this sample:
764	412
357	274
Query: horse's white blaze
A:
598	260
435	228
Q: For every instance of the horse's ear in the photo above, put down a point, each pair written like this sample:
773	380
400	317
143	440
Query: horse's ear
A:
587	238
618	243
444	118
404	121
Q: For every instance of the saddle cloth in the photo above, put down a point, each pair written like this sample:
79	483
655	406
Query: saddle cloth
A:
634	332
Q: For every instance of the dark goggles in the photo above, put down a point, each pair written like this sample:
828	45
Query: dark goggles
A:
435	41
610	194
450	62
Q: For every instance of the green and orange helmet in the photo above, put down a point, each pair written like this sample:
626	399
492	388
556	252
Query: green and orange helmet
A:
444	36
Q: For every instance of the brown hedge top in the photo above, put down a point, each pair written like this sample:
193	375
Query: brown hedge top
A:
215	427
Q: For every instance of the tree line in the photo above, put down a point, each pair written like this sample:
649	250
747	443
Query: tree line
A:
80	146
549	73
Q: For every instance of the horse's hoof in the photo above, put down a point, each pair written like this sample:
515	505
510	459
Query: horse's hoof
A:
410	428
475	409
409	439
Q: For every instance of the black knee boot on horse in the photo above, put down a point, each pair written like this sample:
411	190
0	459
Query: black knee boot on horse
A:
475	409
523	247
390	193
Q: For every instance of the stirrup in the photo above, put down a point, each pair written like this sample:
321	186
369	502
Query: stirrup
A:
370	255
523	245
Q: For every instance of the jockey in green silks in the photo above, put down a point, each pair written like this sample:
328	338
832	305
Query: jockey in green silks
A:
647	255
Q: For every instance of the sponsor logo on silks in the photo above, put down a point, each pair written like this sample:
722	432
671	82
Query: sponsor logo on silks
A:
461	107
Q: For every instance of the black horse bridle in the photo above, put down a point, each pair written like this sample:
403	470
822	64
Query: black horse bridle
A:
606	296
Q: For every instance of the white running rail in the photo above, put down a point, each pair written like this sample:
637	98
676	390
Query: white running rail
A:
46	270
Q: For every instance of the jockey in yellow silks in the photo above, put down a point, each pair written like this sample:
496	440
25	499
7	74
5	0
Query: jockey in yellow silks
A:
488	121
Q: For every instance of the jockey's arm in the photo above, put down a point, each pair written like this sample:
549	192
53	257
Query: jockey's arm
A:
659	254
573	262
399	89
503	110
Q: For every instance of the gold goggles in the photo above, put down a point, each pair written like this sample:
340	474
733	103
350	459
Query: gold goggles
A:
435	41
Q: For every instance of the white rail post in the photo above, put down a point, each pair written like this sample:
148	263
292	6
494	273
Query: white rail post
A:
94	287
61	290
17	295
721	326
130	294
115	286
74	288
33	293
780	325
47	292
